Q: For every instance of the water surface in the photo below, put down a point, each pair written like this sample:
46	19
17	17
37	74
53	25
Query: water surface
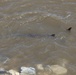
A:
25	26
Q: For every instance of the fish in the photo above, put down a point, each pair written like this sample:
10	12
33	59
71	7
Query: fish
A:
34	35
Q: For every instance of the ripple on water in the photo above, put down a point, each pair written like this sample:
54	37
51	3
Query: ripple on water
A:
3	59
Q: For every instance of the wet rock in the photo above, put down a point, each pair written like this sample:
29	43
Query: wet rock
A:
13	72
28	71
40	67
43	70
3	72
56	69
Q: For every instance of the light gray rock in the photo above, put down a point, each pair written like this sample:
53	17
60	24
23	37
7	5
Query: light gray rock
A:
13	72
28	71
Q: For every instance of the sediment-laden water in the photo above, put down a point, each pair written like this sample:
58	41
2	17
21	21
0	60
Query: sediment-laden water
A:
26	27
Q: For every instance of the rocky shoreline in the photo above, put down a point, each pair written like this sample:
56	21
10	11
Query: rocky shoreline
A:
39	70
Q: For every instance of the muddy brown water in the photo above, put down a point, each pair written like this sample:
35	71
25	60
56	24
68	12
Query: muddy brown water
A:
39	18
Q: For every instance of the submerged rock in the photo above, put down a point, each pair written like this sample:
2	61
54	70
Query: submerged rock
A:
40	67
28	71
42	70
56	69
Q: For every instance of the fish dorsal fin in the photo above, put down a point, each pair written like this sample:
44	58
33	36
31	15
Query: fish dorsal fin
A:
69	29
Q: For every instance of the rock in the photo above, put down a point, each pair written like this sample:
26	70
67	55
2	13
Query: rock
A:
13	72
47	70
3	72
40	67
28	71
58	70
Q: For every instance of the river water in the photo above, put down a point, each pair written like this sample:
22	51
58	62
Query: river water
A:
25	29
